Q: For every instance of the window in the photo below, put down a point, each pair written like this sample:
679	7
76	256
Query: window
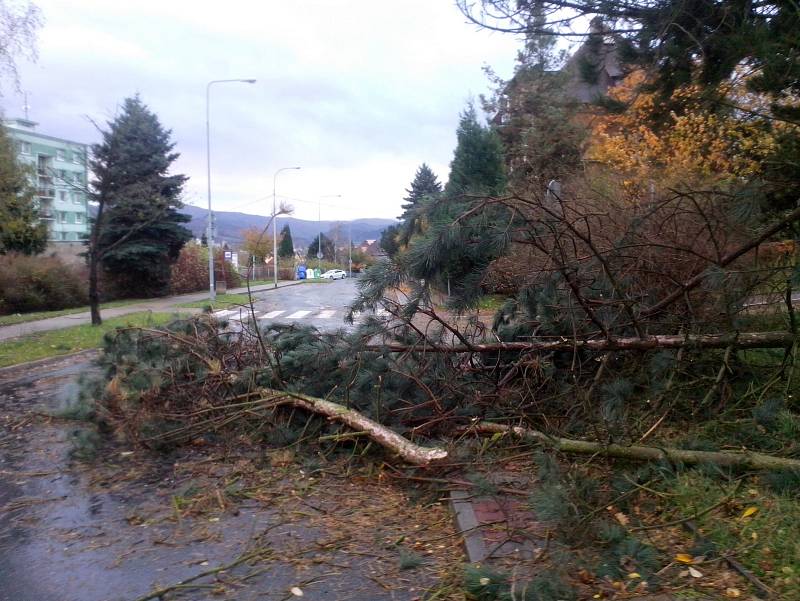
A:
77	157
77	198
62	195
62	174
77	178
78	217
61	155
25	147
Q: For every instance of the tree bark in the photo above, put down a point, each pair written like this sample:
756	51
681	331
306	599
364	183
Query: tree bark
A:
741	459
743	340
403	447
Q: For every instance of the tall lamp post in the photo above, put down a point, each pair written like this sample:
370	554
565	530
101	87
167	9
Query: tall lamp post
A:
212	293
275	223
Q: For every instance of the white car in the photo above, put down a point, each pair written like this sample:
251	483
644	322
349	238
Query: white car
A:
334	274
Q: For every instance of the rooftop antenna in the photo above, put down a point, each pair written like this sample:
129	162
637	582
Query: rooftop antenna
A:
26	107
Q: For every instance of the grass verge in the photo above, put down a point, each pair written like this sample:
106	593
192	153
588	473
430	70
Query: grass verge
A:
758	527
224	301
69	340
491	302
14	318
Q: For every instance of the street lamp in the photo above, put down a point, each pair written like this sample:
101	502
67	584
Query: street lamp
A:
212	294
275	223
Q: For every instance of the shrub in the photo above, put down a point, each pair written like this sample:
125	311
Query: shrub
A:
190	271
39	284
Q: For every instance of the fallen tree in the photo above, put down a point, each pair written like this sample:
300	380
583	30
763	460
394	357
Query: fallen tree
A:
744	340
404	448
740	459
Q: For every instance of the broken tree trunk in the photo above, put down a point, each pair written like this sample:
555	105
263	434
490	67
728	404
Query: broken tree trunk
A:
743	340
742	459
389	439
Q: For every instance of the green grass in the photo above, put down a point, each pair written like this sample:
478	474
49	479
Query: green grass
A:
491	302
7	320
70	340
224	301
767	542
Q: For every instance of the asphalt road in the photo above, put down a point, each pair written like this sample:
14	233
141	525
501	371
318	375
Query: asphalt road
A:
323	306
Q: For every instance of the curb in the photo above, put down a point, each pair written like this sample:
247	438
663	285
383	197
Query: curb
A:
46	360
468	526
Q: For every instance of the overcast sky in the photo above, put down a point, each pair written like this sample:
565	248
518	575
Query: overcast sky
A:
357	92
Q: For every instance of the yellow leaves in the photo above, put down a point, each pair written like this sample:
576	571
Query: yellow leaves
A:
634	575
696	142
684	558
214	366
749	512
733	593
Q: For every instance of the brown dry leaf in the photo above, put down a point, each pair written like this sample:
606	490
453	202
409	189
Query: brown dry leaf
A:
695	573
621	518
733	593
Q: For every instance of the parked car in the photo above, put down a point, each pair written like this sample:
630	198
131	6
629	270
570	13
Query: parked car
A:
334	274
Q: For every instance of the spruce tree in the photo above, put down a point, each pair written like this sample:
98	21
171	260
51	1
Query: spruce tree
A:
286	244
424	187
389	241
142	232
20	228
477	165
327	248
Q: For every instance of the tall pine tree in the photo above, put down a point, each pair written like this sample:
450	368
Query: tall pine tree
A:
477	165
424	187
286	245
138	232
20	228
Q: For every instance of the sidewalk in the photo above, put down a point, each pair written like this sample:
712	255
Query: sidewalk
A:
164	304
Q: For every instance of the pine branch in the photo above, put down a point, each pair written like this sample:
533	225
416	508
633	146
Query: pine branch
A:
744	340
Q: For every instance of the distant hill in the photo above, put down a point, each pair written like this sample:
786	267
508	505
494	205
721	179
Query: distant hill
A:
230	226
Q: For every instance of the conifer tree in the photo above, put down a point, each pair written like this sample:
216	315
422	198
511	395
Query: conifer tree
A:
286	244
20	228
138	232
425	186
390	240
477	165
327	248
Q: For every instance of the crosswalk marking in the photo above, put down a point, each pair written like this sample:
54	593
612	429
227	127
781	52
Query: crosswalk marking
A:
327	314
271	315
298	315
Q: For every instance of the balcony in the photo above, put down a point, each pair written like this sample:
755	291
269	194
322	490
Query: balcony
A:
46	213
45	192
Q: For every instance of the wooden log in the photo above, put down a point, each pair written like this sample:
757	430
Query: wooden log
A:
404	448
738	459
743	340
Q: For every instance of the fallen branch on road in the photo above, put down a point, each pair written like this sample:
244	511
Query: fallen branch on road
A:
384	436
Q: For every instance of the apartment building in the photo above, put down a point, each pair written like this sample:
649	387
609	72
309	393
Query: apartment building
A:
59	169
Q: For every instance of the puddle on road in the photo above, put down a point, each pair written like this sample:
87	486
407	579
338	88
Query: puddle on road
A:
117	528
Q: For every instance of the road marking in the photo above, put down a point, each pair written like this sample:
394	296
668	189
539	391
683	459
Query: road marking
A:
223	314
327	314
298	315
271	315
